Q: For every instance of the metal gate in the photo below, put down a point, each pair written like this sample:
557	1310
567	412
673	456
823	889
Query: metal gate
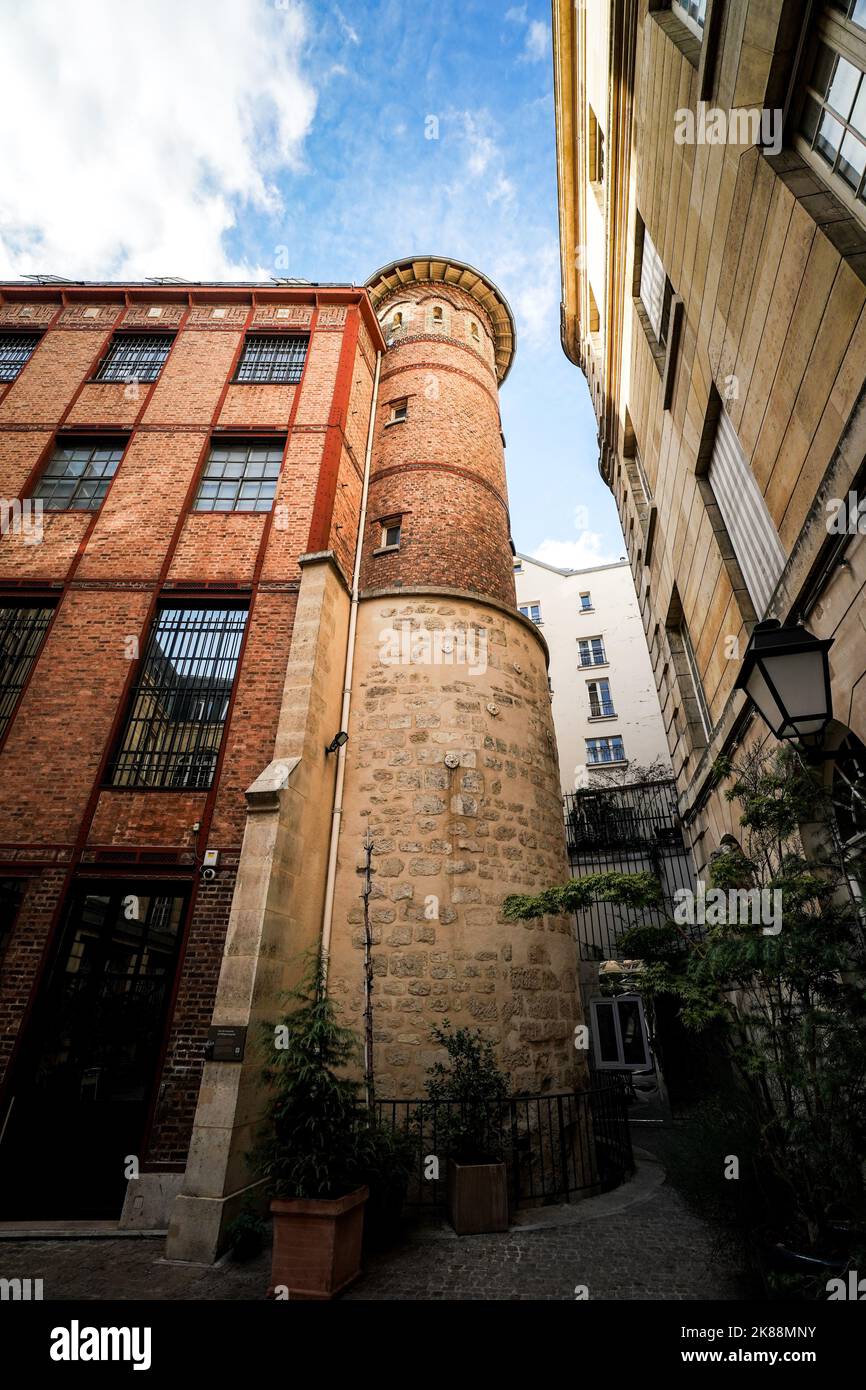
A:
629	829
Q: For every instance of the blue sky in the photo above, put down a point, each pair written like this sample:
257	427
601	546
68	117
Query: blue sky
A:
241	138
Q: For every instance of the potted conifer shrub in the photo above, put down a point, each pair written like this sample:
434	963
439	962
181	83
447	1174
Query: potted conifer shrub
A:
467	1090
312	1149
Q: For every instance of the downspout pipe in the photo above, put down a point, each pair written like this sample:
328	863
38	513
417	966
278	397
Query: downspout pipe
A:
337	813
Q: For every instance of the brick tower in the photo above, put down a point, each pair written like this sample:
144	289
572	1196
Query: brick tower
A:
451	762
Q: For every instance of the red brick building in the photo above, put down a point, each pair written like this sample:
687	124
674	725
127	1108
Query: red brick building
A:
219	504
189	445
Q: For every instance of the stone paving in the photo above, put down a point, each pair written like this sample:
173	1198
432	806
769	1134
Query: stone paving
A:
639	1242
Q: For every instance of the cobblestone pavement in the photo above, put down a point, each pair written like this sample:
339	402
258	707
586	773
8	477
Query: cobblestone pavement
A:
640	1242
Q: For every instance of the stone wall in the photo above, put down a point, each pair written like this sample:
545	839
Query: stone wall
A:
452	765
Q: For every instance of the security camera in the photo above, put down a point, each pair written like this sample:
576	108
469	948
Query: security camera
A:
208	875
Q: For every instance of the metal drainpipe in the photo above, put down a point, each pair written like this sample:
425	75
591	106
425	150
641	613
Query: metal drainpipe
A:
337	814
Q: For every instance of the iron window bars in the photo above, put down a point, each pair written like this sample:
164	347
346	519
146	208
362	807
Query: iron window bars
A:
22	630
273	358
239	477
134	357
180	699
15	350
78	473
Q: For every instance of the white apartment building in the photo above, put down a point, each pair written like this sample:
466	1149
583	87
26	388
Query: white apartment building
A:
605	708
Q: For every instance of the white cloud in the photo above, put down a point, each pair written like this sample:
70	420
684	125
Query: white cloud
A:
516	15
348	30
537	44
587	550
147	128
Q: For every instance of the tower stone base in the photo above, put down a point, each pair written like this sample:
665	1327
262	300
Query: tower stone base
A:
453	768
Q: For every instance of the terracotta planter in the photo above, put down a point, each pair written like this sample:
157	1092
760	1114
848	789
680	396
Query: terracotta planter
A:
317	1244
477	1197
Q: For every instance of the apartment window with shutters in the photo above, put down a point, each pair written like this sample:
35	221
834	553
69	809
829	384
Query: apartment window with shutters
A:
693	14
23	626
591	651
179	703
595	148
689	683
15	350
655	289
600	700
751	531
829	108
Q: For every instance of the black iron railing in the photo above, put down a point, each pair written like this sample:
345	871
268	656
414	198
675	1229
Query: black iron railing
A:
554	1146
628	829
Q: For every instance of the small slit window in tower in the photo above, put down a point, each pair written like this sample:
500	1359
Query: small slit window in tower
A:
399	411
473	332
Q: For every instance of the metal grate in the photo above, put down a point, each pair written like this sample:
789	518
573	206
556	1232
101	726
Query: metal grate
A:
134	357
180	700
22	628
15	349
78	474
630	829
239	478
277	358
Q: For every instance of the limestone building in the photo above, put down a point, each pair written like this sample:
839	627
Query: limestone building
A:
238	521
605	707
710	159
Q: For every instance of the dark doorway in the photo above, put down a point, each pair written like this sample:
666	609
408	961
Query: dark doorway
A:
86	1073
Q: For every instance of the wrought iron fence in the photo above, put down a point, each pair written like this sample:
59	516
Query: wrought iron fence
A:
628	829
554	1146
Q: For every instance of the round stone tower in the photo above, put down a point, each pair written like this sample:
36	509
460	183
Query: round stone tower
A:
451	762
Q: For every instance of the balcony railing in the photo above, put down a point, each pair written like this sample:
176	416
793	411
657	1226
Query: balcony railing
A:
601	709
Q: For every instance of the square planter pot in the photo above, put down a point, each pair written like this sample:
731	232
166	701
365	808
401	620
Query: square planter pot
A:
317	1244
477	1197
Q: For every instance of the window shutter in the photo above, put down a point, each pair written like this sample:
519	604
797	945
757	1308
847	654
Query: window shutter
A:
652	283
744	512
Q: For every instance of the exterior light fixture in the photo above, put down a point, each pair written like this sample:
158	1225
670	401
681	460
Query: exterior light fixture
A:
337	741
786	675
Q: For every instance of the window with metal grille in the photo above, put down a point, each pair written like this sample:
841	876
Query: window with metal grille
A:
15	349
693	13
239	477
531	611
750	527
605	750
592	651
586	603
277	358
180	700
78	473
134	357
22	630
832	117
600	699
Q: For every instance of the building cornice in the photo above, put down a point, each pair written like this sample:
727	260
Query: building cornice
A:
417	270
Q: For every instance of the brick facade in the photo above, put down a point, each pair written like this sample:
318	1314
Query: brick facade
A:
107	570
